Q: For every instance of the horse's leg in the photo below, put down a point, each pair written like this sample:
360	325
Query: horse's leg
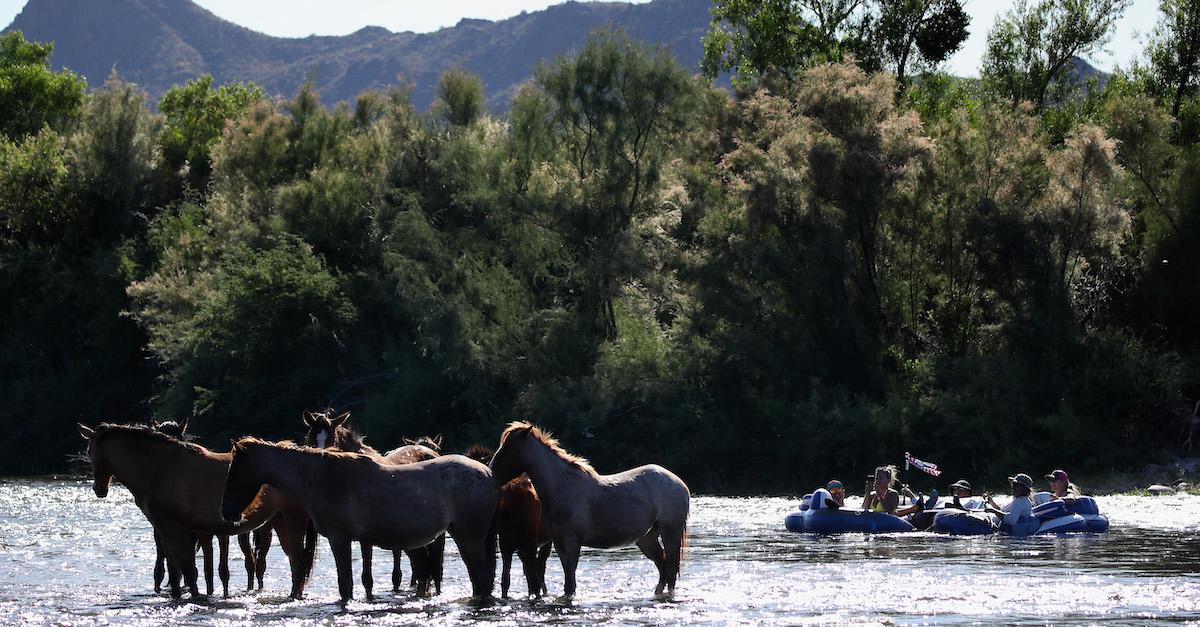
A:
436	553
345	574
505	571
652	549
262	546
368	578
422	573
181	559
397	574
291	540
206	546
248	556
160	564
673	539
223	565
568	555
472	547
543	555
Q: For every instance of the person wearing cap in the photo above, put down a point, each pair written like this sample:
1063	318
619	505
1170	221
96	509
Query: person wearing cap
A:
837	492
1021	505
960	489
1061	486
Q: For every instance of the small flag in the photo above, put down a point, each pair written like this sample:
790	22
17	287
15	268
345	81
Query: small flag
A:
925	467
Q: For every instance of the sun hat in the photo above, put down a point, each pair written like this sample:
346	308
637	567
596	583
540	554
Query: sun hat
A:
834	484
1058	475
961	484
1022	479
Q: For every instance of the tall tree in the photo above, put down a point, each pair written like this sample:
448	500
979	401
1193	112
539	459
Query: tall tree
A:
31	95
1031	48
1174	50
924	31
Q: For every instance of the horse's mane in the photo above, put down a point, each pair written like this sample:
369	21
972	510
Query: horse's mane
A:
249	440
551	443
350	440
147	433
479	453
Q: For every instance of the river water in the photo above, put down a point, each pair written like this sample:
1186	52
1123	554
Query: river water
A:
67	557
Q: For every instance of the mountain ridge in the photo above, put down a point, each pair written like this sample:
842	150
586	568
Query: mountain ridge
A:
160	43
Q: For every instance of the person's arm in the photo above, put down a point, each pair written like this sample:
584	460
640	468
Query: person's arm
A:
868	496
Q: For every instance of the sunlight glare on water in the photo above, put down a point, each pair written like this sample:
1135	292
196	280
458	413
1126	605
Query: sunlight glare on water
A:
70	558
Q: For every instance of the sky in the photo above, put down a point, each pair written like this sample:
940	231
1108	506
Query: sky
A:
299	18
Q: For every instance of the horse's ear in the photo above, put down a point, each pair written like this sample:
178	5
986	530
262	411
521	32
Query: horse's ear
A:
437	440
154	424
410	442
183	427
308	418
86	431
337	422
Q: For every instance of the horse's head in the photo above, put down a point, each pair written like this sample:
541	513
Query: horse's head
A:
171	428
244	480
509	461
432	443
323	428
480	453
102	472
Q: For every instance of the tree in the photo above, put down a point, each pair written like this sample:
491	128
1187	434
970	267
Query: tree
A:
617	110
753	37
1031	48
460	97
195	115
1174	50
927	31
31	95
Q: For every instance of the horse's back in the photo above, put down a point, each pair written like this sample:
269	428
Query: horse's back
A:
654	484
409	454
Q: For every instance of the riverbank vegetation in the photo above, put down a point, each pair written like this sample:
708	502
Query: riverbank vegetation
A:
851	256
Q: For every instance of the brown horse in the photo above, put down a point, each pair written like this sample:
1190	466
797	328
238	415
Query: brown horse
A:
519	522
582	508
202	541
176	484
353	497
328	431
297	538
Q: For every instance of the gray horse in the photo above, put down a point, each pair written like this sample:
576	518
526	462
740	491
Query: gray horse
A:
582	508
353	497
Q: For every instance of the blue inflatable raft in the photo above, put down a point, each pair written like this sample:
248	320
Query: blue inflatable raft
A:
1051	516
815	517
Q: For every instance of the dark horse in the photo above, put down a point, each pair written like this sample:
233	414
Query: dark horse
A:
583	508
328	431
519	522
176	484
353	497
202	541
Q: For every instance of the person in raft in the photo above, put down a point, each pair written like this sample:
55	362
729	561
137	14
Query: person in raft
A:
883	498
1062	488
959	490
1021	505
837	492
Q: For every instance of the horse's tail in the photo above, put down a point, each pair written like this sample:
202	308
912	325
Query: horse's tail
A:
683	538
491	544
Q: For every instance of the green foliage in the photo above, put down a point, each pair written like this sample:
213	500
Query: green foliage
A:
651	268
31	95
1174	51
460	96
195	115
1031	48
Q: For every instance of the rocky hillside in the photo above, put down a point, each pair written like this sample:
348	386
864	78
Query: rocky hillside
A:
159	43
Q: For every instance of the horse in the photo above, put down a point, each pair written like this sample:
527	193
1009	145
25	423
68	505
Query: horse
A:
353	497
583	508
176	484
202	541
328	431
519	522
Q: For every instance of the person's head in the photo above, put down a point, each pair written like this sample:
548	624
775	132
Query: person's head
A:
836	488
1022	484
961	488
1058	481
885	476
